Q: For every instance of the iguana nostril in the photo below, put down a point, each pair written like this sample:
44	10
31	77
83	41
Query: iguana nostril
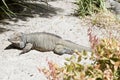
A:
9	40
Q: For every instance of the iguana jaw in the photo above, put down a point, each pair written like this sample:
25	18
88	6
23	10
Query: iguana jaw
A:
18	41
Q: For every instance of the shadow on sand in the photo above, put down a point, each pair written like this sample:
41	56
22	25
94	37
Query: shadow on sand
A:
28	10
3	30
25	10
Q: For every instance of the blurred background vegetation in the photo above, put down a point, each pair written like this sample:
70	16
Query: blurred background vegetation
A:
103	13
9	8
88	7
85	7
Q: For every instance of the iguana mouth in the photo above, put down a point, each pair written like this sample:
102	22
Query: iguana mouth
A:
15	42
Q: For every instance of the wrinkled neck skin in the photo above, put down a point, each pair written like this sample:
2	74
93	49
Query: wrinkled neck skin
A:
23	41
24	38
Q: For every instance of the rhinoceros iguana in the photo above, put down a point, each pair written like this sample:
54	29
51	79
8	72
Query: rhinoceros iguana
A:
43	41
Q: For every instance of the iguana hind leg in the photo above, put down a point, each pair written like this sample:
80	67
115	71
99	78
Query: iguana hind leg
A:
59	49
27	48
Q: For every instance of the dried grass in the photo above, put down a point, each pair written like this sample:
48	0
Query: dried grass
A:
106	19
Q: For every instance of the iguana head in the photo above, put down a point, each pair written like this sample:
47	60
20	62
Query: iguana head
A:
17	39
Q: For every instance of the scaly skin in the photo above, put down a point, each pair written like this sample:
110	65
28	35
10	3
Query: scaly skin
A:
43	41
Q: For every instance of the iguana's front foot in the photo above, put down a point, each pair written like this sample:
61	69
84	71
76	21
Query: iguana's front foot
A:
27	48
59	49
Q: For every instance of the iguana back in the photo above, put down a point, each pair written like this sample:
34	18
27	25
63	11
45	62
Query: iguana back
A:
43	41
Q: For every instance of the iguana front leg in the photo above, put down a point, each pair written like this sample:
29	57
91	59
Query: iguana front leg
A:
60	49
27	48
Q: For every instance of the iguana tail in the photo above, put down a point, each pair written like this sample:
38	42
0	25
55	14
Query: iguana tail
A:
74	46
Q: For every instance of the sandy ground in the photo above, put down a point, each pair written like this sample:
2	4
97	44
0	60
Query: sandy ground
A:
61	22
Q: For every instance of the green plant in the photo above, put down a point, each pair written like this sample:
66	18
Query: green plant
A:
4	9
88	7
107	58
12	7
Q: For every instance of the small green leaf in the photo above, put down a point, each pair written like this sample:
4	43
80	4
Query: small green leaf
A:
69	68
72	57
79	59
112	62
67	59
84	53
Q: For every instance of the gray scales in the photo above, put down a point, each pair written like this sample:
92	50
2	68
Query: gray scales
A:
44	42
